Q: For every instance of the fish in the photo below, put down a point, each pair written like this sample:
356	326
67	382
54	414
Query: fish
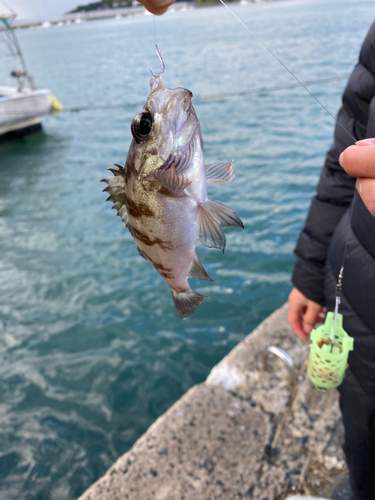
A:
161	192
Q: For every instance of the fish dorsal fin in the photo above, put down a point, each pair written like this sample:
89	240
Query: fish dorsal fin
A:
197	270
171	180
225	215
116	190
209	230
219	172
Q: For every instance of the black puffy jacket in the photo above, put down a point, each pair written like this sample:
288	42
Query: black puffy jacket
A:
338	218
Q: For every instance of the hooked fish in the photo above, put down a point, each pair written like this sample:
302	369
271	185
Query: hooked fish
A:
161	192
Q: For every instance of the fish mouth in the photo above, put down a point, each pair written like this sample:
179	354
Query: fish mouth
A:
186	120
176	130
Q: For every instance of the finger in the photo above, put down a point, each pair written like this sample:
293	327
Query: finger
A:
157	7
359	160
311	316
321	317
366	189
295	321
370	140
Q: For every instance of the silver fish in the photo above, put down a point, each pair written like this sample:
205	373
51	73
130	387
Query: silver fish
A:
161	193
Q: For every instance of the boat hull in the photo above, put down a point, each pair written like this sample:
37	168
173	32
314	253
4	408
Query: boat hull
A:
22	111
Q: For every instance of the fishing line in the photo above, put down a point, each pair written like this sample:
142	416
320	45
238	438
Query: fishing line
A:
287	69
154	29
338	289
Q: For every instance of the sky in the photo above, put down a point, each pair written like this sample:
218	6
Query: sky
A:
41	10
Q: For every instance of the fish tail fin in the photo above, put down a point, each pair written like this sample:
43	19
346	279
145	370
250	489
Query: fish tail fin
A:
187	302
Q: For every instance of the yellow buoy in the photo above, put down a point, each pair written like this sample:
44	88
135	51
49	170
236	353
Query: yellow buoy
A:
56	105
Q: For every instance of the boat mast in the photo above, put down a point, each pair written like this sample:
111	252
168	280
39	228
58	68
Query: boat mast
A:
4	18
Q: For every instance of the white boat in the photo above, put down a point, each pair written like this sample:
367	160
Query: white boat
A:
22	108
23	111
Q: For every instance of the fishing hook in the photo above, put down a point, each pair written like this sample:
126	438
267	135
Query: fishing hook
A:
160	75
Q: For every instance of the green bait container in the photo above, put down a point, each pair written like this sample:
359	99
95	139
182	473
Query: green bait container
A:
326	369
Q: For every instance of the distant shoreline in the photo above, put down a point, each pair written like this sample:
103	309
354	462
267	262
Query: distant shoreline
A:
95	15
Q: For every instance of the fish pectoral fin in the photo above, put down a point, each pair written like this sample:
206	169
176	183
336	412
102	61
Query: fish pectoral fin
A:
197	270
187	302
225	215
209	229
219	172
170	179
116	190
142	253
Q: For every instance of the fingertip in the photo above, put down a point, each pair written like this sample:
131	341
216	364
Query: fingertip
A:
366	190
346	160
160	11
155	8
366	142
341	159
307	328
296	325
301	334
293	321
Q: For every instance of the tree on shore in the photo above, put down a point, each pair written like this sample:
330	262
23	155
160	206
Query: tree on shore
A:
103	4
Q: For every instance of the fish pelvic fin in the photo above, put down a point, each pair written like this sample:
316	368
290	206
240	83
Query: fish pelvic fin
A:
209	228
116	190
197	270
219	172
187	302
225	215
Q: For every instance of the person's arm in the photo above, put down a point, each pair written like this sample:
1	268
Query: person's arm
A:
359	161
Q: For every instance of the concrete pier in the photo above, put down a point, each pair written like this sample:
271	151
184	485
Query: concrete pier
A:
251	431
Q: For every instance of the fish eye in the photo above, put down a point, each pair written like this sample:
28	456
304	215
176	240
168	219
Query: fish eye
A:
141	126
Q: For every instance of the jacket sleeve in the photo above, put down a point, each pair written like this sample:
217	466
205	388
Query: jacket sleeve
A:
336	188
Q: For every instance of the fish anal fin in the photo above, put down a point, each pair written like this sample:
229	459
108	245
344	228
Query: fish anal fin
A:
197	270
219	172
170	179
225	215
209	230
187	302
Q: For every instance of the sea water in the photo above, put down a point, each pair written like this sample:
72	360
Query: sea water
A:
91	348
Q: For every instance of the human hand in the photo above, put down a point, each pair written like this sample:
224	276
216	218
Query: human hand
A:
303	313
359	161
157	7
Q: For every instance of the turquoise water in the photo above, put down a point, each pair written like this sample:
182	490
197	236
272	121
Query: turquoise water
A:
91	349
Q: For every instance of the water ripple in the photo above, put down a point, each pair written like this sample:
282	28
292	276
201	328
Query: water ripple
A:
91	349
